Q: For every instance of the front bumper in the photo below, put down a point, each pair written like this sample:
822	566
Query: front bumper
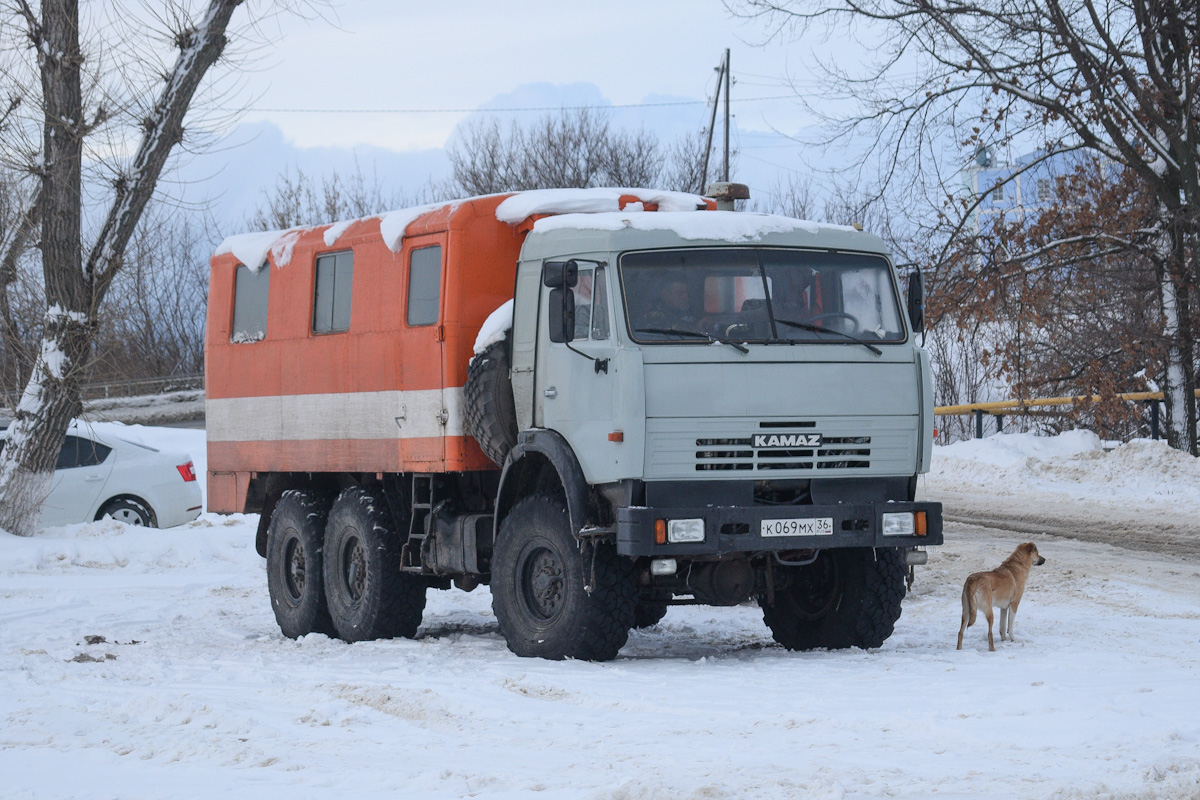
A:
737	529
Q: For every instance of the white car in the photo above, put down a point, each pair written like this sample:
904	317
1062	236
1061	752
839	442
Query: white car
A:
101	476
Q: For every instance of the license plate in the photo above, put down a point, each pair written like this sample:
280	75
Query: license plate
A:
818	526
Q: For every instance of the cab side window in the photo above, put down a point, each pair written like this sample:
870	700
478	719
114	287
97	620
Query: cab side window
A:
600	306
591	305
331	300
424	285
583	304
250	292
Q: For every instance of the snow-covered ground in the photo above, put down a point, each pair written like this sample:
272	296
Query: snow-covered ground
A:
1141	495
147	664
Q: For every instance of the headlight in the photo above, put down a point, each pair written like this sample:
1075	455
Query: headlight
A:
685	530
899	524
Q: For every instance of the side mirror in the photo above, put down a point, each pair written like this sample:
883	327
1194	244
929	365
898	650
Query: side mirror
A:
916	300
559	274
562	315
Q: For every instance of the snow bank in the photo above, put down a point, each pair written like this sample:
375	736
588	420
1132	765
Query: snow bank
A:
1073	464
494	327
1011	448
206	545
731	226
521	206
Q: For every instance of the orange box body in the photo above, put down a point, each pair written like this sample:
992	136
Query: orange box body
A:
382	396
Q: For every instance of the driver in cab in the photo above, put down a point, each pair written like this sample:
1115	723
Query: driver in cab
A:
674	307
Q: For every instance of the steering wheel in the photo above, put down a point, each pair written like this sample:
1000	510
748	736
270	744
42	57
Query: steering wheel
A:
831	315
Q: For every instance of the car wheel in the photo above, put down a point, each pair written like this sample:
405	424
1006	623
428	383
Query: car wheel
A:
294	579
369	597
129	511
539	575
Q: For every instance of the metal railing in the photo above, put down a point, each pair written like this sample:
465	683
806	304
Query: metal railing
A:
140	386
1001	408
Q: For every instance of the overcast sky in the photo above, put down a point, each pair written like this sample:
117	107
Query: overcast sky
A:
465	54
380	86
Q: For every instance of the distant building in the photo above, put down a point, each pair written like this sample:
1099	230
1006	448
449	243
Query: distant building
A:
1014	189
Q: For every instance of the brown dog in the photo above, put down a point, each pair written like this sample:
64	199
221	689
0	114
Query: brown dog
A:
1001	587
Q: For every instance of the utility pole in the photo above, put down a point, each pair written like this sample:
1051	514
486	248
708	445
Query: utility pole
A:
722	78
725	172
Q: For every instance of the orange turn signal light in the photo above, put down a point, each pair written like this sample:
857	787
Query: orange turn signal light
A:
660	531
616	436
921	523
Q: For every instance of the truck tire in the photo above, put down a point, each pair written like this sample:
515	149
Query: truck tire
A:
539	572
848	597
369	597
649	612
490	414
295	539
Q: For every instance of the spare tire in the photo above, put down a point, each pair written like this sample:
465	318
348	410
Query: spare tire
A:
491	416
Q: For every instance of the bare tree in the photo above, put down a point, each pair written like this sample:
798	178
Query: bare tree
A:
683	170
17	232
151	323
1076	321
78	273
578	149
1116	78
298	198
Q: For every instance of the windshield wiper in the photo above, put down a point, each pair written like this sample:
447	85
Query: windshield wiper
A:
676	332
804	326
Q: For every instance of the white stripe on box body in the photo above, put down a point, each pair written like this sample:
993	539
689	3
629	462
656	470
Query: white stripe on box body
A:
414	414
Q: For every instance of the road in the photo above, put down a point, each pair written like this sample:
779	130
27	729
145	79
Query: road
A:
1156	530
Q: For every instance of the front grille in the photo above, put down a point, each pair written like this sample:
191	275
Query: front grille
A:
836	452
722	448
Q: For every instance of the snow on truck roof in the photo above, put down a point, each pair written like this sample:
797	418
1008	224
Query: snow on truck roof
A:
598	209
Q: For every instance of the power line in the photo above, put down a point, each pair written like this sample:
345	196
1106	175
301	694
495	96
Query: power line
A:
495	110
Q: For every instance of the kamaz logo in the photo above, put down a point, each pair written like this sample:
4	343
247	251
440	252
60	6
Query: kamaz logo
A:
769	440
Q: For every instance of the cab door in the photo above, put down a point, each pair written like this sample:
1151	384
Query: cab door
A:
577	384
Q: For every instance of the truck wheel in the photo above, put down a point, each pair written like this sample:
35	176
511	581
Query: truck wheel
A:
490	415
848	597
369	597
539	572
649	612
294	580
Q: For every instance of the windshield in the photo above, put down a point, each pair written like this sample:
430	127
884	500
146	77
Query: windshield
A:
759	295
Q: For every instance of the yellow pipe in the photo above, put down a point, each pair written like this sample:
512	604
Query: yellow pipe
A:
1017	405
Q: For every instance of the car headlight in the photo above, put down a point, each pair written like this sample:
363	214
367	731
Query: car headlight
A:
685	530
900	524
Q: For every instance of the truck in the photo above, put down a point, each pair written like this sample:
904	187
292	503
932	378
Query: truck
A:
599	403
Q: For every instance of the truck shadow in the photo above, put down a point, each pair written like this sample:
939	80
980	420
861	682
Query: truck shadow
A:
439	630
